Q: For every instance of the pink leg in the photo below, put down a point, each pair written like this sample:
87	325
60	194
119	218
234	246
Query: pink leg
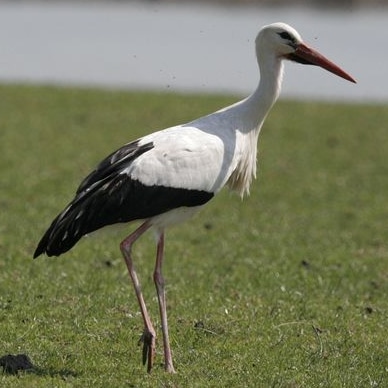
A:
149	334
159	283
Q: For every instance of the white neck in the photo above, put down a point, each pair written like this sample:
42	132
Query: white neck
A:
260	102
254	110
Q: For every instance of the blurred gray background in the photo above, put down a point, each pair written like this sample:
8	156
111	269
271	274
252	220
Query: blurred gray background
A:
191	46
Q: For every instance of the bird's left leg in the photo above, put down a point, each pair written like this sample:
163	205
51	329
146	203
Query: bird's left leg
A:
159	283
149	334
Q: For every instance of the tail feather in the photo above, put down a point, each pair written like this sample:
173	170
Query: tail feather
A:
60	237
71	224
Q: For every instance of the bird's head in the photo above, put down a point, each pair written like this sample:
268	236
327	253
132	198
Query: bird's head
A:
286	43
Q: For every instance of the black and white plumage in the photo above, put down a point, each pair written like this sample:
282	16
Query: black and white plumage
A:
111	195
167	176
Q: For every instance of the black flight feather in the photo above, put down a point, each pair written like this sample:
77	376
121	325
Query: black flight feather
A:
106	197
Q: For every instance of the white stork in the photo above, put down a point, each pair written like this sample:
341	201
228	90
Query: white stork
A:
166	177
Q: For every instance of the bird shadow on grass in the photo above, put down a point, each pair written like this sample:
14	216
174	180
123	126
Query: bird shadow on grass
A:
13	364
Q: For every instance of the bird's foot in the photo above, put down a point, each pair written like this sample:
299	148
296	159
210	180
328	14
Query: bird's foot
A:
148	340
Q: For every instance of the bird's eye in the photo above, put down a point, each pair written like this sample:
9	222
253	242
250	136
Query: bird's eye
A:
286	35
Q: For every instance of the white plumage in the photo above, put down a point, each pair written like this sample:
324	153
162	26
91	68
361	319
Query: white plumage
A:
167	176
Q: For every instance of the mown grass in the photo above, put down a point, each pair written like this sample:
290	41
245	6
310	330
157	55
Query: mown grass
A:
287	288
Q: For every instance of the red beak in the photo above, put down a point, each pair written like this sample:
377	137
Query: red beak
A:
309	56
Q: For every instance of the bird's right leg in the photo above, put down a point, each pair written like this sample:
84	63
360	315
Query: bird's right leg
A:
149	335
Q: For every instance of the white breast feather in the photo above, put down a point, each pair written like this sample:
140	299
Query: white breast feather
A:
245	170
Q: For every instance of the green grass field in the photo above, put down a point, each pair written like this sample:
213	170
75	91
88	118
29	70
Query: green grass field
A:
288	288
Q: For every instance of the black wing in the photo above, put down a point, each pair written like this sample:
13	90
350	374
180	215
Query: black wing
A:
107	196
114	162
